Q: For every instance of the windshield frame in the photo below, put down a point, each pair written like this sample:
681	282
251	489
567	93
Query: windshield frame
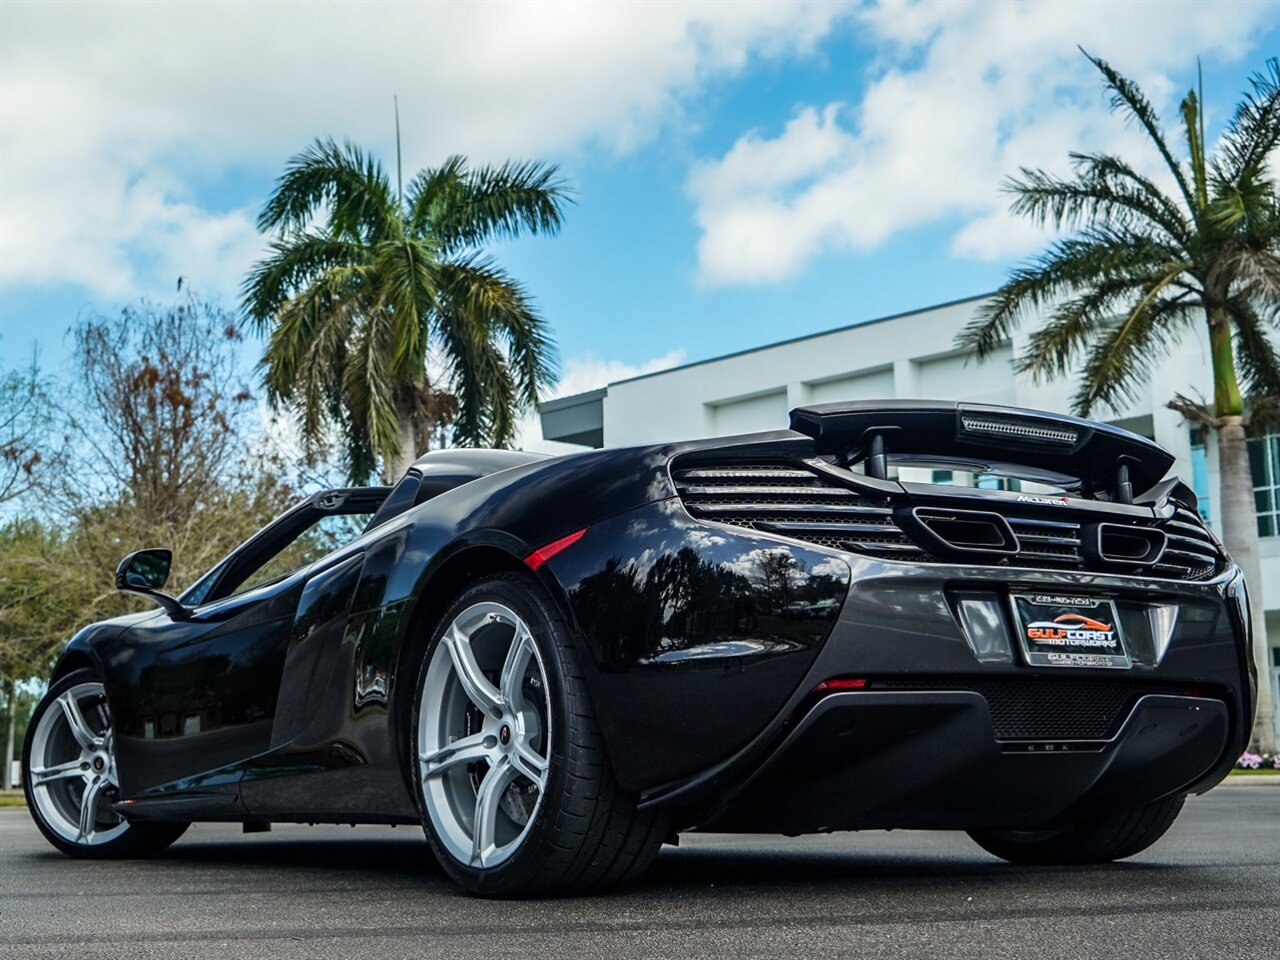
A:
225	577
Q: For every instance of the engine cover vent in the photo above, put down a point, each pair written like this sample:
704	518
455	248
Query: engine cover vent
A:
786	498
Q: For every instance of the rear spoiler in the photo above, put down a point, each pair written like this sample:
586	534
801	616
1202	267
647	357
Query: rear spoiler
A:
1101	457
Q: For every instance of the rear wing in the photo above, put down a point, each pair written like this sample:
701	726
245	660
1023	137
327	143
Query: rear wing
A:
1100	458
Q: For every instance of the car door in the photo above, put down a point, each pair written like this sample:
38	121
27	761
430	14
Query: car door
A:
204	690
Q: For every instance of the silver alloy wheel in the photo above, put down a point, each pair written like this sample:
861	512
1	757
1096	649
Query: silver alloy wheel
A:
73	767
484	747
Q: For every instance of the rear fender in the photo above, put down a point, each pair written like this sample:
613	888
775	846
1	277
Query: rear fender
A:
694	636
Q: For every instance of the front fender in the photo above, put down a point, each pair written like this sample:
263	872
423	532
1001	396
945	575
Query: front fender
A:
87	647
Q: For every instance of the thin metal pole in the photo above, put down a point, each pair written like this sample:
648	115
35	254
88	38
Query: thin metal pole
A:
399	167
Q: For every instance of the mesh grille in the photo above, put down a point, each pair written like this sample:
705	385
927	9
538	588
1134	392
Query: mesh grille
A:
787	499
1039	708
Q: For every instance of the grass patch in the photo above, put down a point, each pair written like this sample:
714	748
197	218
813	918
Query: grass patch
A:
12	798
1264	772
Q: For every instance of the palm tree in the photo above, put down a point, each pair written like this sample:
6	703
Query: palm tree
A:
364	282
1138	268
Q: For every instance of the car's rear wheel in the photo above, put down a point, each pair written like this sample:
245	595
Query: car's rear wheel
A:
516	794
69	776
1111	836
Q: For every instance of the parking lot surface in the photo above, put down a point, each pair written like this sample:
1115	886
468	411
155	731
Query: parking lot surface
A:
1211	888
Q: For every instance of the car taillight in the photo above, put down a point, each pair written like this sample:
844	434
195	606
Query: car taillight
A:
841	683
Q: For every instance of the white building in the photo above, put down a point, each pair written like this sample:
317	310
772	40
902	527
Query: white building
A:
910	355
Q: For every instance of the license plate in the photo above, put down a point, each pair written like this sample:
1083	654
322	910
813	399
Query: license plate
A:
1065	631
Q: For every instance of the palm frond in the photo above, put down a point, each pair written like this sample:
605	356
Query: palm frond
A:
479	288
1052	350
1191	128
369	384
1196	411
1256	354
1120	361
1247	272
351	185
1246	205
1096	256
1127	97
1254	129
1106	190
409	280
317	387
481	381
358	456
431	191
472	207
293	265
339	297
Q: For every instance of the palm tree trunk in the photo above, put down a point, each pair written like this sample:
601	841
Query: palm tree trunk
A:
407	430
1240	536
1239	513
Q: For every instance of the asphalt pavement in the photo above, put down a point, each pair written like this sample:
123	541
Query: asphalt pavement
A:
1210	888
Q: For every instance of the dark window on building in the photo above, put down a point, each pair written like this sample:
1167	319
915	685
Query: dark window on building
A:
989	481
1200	472
1264	463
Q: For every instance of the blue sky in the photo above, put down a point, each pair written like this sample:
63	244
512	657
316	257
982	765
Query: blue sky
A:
744	172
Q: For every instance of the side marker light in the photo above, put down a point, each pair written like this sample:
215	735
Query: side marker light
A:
540	556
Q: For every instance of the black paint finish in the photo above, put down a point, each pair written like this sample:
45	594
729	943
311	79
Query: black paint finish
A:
701	643
194	696
842	766
695	634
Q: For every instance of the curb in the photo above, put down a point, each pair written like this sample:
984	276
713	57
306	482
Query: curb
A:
1252	782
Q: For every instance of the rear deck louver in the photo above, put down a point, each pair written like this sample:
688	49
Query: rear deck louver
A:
787	499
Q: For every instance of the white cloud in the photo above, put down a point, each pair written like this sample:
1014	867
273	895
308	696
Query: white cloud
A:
580	375
962	95
114	118
754	563
590	372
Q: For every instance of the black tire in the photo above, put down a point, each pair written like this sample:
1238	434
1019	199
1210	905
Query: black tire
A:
134	841
586	835
1101	839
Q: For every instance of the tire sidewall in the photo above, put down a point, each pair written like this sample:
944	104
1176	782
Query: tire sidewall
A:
47	702
138	839
1115	835
523	596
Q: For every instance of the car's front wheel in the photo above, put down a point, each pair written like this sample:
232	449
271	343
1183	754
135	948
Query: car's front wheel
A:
1110	836
516	793
69	776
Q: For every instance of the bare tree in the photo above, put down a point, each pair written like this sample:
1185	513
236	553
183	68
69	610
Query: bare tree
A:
27	442
159	409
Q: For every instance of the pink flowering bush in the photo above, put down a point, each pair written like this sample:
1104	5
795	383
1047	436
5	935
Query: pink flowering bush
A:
1257	761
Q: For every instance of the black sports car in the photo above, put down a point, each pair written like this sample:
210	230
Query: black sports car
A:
557	664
